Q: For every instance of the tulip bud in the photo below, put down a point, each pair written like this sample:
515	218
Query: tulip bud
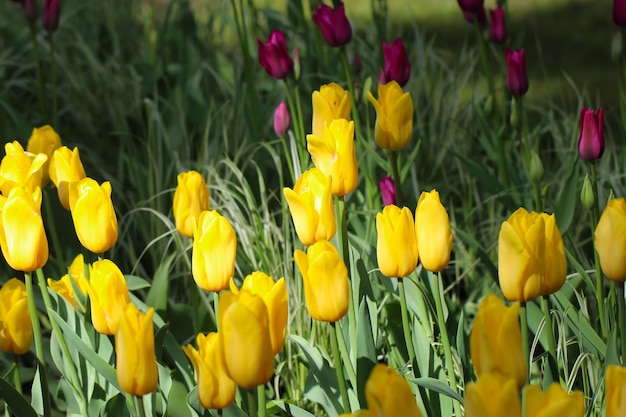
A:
51	11
108	295
617	45
135	361
497	31
333	24
389	393
281	119
586	194
434	236
555	402
619	12
536	168
329	103
493	395
44	140
591	142
190	199
615	389
496	341
479	16
215	388
471	5
297	65
93	214
274	56
610	240
516	78
397	65
214	251
387	190
396	248
394	116
17	330
245	337
326	286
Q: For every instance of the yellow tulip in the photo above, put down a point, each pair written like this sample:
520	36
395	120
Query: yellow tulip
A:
311	206
75	279
65	168
615	391
326	286
334	154
394	116
43	140
434	236
16	331
20	169
244	330
135	361
610	240
215	388
329	103
93	214
390	394
531	256
214	251
275	297
190	199
396	248
108	294
496	341
555	402
492	395
22	235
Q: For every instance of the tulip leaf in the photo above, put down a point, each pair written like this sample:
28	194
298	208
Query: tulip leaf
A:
157	295
480	251
566	204
579	324
135	283
115	406
16	402
290	409
437	386
177	405
365	349
194	402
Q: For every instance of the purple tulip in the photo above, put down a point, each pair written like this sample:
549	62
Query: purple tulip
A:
497	31
29	8
333	24
516	78
274	56
51	11
591	143
471	6
619	12
480	15
387	190
397	65
282	120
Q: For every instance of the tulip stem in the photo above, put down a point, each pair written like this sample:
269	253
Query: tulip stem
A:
595	216
40	89
260	391
447	351
621	307
554	368
345	253
345	355
406	324
252	404
524	327
339	368
34	317
355	108
141	408
394	158
300	138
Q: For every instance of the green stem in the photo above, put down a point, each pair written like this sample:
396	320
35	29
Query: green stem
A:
345	253
40	86
50	223
485	59
260	390
252	404
343	349
621	306
406	324
524	327
447	351
355	109
339	368
41	358
545	306
394	159
595	216
53	75
141	409
299	114
300	139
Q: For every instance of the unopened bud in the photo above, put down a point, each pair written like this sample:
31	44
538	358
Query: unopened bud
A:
617	45
536	168
586	194
297	67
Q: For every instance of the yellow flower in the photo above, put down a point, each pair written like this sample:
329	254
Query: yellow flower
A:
190	199
396	248
214	251
531	256
20	169
135	361
326	286
330	103
615	391
22	235
93	214
496	341
334	154
390	394
394	116
274	295
65	168
108	294
434	236
610	240
43	140
16	331
76	278
555	402
244	330
492	395
311	206
215	388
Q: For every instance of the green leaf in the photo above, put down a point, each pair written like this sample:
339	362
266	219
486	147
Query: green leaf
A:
115	407
365	350
157	295
290	409
437	386
177	405
566	205
136	283
16	402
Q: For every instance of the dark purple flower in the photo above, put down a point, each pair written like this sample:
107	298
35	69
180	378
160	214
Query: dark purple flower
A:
387	190
480	15
619	12
274	56
497	30
51	11
333	24
397	65
516	78
29	8
471	6
591	142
